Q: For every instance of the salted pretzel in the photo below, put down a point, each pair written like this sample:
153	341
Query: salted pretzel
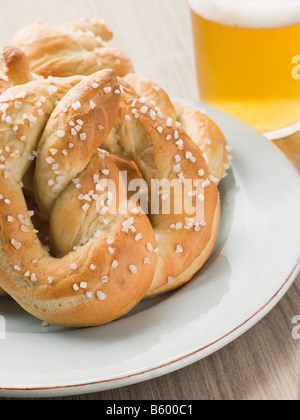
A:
79	47
101	263
103	275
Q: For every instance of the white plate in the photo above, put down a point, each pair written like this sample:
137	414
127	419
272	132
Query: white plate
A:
254	263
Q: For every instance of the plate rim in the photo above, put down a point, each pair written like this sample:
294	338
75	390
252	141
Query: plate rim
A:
183	361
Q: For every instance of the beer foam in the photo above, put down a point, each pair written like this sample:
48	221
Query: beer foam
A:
251	14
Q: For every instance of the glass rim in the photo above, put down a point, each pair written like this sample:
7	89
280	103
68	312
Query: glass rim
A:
283	133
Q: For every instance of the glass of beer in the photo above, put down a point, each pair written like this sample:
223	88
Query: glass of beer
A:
248	60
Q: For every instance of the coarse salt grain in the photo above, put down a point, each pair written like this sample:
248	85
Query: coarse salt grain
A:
33	277
144	109
16	244
52	90
111	251
101	296
50	160
179	249
76	105
142	100
206	183
169	122
85	207
177	158
177	168
133	269
153	115
60	134
110	240
179	144
149	247
138	237
24	229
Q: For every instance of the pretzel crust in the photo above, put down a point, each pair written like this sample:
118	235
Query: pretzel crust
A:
14	68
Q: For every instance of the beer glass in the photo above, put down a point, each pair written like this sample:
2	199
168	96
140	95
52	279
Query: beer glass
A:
248	60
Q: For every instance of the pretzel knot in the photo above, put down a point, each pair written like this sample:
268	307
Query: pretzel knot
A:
106	254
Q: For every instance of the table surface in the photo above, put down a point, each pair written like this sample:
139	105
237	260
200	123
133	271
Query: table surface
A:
263	364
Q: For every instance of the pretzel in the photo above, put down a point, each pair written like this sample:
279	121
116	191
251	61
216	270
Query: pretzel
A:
73	48
100	280
100	267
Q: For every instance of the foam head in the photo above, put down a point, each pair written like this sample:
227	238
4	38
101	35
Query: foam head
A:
252	14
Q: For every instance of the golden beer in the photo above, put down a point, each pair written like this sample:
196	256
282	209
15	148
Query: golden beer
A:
248	64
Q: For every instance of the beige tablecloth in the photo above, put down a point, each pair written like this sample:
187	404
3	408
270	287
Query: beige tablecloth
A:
156	34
